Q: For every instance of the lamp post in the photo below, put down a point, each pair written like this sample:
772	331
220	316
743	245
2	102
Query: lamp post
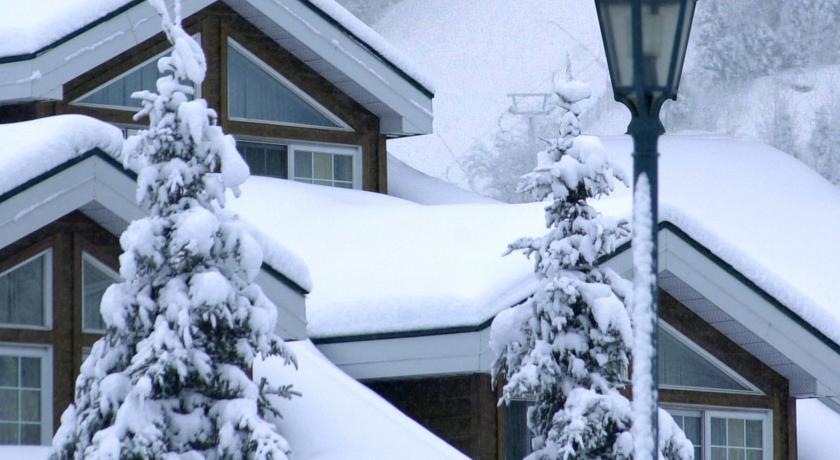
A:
645	43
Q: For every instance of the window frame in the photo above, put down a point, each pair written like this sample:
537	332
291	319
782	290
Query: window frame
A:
707	412
341	124
88	257
125	108
718	364
353	151
45	353
47	294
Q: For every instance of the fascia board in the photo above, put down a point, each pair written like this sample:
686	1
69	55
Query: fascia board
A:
83	52
752	311
355	61
458	353
45	202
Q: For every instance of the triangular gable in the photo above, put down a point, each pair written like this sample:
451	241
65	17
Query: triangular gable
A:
256	92
682	364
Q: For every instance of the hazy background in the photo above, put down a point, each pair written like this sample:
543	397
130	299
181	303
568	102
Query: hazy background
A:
760	69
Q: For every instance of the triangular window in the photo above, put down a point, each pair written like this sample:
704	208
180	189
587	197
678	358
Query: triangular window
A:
256	92
116	94
685	365
96	278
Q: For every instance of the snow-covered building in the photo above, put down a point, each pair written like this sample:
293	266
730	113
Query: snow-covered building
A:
397	291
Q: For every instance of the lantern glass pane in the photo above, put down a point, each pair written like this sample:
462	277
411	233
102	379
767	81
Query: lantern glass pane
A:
688	15
616	17
659	34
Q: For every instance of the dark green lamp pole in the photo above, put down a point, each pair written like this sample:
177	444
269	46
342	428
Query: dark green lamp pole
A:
645	43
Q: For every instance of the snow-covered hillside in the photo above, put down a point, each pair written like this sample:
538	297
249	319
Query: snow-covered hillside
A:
479	51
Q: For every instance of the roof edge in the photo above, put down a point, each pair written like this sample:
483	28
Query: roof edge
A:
32	55
102	155
663	225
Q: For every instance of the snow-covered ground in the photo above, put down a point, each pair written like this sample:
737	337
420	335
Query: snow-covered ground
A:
410	184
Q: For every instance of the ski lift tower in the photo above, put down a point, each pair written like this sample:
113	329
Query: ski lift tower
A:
531	106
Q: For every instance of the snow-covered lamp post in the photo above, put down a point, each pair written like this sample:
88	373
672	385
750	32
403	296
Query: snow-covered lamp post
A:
645	43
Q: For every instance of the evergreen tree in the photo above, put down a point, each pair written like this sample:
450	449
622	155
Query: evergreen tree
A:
566	347
170	378
825	142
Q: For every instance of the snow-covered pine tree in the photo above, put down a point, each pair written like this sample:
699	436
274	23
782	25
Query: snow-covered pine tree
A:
825	142
170	377
567	346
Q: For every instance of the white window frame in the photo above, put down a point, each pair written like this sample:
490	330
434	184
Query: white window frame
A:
292	146
87	257
44	352
751	389
706	413
126	108
355	153
48	284
342	126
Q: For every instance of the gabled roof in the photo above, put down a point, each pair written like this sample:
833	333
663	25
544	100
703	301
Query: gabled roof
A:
53	166
42	46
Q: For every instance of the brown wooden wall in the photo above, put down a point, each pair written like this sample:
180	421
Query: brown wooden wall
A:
215	24
460	409
67	237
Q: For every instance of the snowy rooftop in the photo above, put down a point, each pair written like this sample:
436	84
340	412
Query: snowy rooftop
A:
32	148
383	264
763	212
29	27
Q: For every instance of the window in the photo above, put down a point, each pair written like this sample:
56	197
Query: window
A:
726	435
116	94
96	277
25	395
256	92
270	160
685	365
517	434
691	422
25	291
324	168
334	166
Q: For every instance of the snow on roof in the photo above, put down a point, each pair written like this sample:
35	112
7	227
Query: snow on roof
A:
382	264
31	148
410	184
763	212
28	27
372	39
817	427
338	418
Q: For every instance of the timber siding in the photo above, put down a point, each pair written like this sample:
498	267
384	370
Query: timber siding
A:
67	238
460	409
216	24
